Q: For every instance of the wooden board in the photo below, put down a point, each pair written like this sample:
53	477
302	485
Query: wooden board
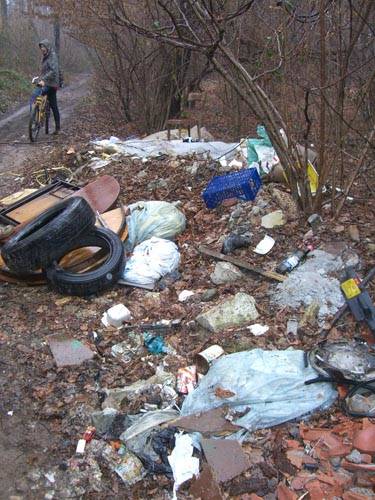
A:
79	260
101	194
33	208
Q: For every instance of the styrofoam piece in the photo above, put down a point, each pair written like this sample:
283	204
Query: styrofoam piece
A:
116	316
185	295
81	445
264	246
258	329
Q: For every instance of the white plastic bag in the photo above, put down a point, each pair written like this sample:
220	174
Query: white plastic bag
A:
184	465
151	260
153	218
269	386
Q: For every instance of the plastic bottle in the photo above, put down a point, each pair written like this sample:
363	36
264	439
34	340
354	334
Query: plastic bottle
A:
292	261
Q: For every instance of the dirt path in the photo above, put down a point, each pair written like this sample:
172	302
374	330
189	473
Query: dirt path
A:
15	149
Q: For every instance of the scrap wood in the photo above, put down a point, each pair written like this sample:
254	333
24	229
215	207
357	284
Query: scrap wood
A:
206	485
209	422
241	263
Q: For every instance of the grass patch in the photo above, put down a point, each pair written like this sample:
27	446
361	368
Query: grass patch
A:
14	87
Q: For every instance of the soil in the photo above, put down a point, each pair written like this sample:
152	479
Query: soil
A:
45	409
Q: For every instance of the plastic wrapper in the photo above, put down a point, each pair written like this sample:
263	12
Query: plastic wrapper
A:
153	218
265	388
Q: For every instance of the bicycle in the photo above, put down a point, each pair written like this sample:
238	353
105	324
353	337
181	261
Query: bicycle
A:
40	112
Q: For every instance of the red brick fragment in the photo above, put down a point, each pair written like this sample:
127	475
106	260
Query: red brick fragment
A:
364	480
326	479
351	495
299	482
315	490
292	444
284	493
354	467
364	440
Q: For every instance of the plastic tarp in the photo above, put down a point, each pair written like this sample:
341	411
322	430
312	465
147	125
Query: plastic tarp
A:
153	218
154	148
268	386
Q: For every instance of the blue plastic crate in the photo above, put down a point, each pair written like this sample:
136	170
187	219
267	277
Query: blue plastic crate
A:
243	184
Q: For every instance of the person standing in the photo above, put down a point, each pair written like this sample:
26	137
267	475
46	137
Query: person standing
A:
50	79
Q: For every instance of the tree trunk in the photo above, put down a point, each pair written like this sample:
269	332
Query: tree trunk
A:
3	15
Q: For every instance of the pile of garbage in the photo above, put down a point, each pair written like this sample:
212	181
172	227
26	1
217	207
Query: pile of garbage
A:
69	225
197	363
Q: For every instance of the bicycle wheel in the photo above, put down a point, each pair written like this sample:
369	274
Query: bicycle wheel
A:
47	115
34	124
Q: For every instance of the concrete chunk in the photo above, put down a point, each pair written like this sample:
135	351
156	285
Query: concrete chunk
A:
238	311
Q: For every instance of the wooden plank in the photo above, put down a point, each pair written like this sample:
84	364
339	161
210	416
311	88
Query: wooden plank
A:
101	194
241	263
33	208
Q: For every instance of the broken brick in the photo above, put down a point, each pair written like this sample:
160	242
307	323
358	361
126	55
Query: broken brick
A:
364	440
292	444
284	493
353	467
299	482
315	490
351	495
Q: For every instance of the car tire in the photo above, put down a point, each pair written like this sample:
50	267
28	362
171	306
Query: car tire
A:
47	236
93	281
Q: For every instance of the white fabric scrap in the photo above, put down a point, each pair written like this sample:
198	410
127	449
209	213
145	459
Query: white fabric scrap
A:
184	465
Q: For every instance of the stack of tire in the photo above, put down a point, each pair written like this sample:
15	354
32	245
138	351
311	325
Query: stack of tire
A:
43	242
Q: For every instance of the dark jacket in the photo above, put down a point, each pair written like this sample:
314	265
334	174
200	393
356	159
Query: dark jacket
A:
50	66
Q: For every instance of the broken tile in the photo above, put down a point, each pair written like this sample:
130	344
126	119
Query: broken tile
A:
354	467
364	440
315	490
299	482
209	422
364	480
68	351
225	457
284	493
329	445
352	495
206	486
298	458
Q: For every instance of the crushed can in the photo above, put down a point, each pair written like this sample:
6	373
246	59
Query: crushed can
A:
186	379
